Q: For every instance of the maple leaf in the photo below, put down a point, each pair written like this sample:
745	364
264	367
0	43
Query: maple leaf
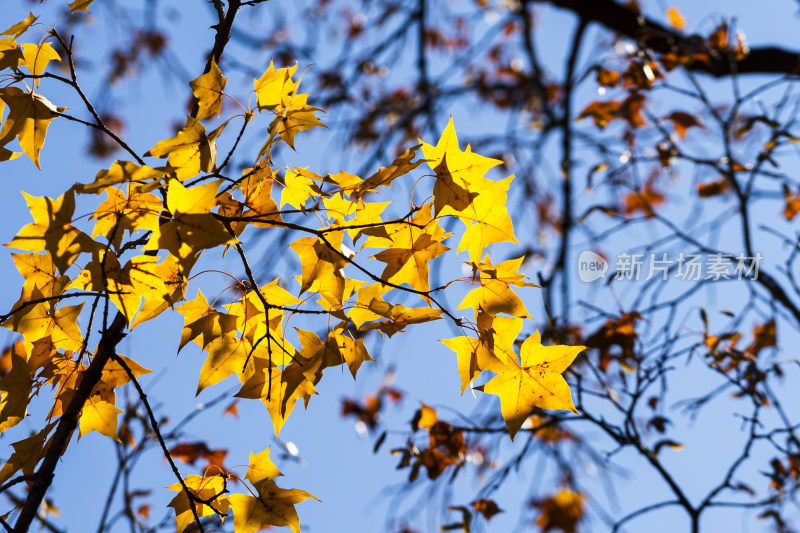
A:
561	511
486	217
100	417
535	382
119	214
174	282
493	350
226	356
37	56
53	231
28	119
321	266
273	506
190	151
40	273
16	387
208	90
200	319
371	306
413	247
298	188
80	5
682	121
27	453
273	85
209	489
142	178
401	166
115	375
20	27
38	321
10	55
488	508
193	227
261	468
296	116
455	171
279	390
494	295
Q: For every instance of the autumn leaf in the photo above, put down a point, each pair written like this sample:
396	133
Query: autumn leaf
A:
190	151
208	90
493	350
296	116
682	121
494	294
261	468
193	227
20	27
80	5
209	489
712	188
37	57
455	172
274	85
675	18
486	507
16	387
413	246
100	417
142	178
27	453
561	511
10	55
535	382
28	119
273	506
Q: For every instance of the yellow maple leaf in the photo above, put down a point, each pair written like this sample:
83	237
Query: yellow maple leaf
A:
274	85
492	350
274	506
209	489
40	273
261	468
208	90
455	171
413	246
535	382
28	119
27	453
53	231
37	56
486	217
10	55
119	214
298	188
16	387
20	27
80	5
142	178
155	303
193	227
100	417
190	151
494	295
38	321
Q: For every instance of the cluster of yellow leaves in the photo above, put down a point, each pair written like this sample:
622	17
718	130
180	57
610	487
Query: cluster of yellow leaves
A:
266	505
155	222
